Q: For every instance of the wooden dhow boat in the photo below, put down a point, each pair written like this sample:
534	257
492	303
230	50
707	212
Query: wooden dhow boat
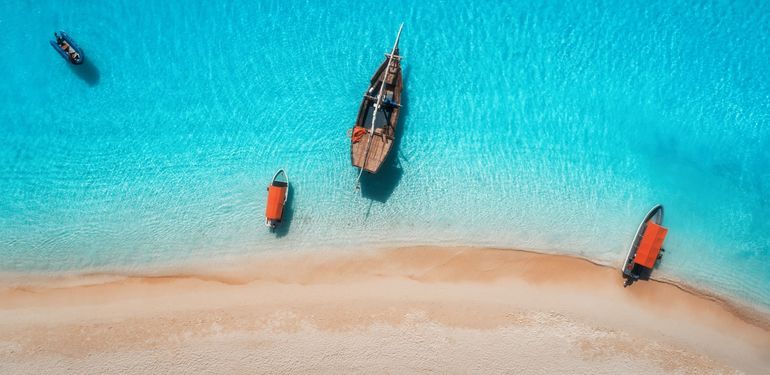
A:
646	248
373	135
277	195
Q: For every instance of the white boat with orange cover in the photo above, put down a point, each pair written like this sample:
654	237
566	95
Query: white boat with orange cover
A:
277	195
646	248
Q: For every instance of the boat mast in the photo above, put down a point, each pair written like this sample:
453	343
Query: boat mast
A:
377	106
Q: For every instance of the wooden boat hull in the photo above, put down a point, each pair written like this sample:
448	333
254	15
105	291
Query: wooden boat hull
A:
631	272
380	141
65	54
277	195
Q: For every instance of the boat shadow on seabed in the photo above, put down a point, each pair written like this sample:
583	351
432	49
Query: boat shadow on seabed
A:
380	186
87	71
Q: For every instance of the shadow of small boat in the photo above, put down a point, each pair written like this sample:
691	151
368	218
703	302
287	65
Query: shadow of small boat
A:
87	72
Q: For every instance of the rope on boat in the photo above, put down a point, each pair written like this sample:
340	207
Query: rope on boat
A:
377	106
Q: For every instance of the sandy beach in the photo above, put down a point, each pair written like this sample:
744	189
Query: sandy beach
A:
406	310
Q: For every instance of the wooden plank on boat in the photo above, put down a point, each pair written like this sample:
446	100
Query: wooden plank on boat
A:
390	77
378	151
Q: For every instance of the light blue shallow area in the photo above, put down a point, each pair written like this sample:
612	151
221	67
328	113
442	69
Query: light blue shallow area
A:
551	126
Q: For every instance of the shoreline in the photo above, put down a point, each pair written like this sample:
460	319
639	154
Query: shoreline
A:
39	280
365	296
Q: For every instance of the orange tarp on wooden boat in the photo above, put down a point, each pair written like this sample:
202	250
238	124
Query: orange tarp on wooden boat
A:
275	201
358	133
649	246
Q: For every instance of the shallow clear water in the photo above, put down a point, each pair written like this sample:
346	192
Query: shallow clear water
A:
552	126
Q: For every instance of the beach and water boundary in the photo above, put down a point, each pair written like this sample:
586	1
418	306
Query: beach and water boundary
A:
245	269
468	296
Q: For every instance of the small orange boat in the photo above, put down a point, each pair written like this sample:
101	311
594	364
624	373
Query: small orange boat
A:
646	248
277	195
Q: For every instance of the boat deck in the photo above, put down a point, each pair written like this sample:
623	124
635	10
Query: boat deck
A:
378	151
380	122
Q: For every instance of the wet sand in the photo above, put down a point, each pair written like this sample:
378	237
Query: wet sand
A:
406	310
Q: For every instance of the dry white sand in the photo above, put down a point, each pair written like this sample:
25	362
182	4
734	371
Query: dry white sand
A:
409	310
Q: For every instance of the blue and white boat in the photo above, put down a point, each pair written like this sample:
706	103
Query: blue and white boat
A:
67	48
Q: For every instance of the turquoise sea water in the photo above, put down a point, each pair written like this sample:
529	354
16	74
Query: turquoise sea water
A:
551	126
